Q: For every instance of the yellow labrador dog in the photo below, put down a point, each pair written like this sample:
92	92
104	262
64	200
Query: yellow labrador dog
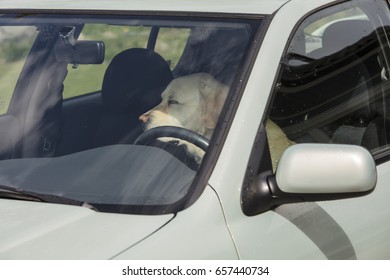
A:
277	142
195	102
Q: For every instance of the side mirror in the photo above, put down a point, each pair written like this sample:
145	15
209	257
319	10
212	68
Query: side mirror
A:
314	172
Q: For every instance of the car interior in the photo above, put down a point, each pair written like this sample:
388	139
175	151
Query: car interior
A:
89	140
132	84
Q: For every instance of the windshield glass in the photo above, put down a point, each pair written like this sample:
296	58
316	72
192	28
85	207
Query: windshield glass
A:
113	111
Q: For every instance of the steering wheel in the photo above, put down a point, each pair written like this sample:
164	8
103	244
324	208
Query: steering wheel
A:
152	135
174	132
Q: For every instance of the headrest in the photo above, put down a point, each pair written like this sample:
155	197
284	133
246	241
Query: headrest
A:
345	33
134	81
216	51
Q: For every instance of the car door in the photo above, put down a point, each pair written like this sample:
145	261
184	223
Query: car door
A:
333	87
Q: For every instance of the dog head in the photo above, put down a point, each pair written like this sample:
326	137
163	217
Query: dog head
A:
193	102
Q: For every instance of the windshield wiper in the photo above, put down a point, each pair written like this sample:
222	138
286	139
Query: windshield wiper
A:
20	194
8	192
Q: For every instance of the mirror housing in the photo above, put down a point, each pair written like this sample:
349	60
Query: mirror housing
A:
313	172
80	52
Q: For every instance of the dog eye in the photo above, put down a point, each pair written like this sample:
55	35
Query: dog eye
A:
172	101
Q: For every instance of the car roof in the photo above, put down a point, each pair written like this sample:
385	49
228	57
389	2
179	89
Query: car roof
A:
227	6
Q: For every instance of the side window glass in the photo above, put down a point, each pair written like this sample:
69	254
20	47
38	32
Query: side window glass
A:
15	43
333	85
83	79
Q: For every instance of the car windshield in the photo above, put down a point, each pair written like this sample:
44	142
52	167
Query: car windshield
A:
114	112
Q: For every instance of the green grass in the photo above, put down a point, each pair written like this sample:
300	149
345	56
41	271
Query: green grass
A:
83	79
8	78
14	45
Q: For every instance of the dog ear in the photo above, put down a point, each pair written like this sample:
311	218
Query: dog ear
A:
214	94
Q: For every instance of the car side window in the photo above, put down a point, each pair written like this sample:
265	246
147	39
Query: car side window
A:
333	85
15	43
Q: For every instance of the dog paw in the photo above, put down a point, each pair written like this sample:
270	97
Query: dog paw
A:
195	152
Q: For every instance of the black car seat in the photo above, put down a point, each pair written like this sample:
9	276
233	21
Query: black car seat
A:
42	124
355	38
218	52
132	85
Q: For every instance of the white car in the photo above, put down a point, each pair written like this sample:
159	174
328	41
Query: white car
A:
295	166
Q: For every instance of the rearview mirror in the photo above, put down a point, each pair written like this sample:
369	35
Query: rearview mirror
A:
314	172
80	52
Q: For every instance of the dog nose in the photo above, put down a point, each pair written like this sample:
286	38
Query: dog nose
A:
144	118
